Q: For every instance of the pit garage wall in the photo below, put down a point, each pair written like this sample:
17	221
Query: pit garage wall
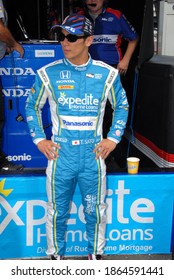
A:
139	216
18	76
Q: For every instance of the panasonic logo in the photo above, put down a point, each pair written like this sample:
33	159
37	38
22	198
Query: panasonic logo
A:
102	40
68	123
23	157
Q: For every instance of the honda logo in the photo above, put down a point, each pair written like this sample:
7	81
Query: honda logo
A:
65	74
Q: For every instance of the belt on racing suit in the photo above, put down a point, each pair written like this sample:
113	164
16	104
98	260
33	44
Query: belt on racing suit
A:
75	141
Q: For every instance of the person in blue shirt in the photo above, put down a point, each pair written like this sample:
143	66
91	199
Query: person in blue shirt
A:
110	28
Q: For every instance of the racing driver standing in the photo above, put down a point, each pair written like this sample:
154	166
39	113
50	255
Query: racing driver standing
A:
77	88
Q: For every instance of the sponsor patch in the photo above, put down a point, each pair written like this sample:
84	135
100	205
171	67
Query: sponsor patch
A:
65	74
32	90
30	118
88	75
118	132
75	142
66	87
78	123
44	53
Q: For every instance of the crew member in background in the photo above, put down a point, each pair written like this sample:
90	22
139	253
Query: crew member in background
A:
7	44
110	29
77	89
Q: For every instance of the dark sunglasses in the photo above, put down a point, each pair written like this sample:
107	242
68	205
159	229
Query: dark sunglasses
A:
70	37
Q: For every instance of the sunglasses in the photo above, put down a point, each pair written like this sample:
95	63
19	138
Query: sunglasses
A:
70	37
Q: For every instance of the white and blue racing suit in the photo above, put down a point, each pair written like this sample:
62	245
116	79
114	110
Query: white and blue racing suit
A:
77	96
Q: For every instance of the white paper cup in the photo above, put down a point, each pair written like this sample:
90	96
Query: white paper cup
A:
133	165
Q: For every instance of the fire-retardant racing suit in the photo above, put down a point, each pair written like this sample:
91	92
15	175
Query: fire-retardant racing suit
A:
77	96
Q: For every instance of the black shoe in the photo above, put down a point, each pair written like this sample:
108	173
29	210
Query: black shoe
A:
9	167
95	257
56	257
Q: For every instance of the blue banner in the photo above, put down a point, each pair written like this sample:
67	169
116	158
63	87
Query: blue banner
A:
139	216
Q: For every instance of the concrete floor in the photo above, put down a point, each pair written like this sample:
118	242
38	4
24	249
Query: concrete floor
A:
127	257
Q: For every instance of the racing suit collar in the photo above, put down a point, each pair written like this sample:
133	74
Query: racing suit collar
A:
82	67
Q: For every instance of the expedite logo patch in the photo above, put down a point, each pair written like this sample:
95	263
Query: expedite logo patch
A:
77	103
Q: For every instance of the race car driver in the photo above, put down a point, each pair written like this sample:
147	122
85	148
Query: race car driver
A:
77	88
